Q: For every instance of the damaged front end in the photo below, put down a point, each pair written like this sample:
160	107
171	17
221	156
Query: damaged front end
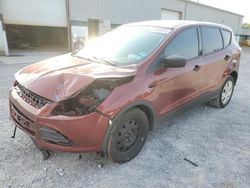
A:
87	100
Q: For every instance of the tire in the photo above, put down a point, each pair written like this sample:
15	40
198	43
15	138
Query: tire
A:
127	136
224	98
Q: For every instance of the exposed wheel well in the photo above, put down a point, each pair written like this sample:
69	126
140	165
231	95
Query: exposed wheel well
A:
149	114
234	74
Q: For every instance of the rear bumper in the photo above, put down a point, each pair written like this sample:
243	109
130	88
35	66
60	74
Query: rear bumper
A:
86	133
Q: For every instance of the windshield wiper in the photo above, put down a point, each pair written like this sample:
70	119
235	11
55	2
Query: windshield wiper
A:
93	59
102	60
86	58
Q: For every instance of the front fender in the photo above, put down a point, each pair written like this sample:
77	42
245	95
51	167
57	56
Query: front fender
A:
138	104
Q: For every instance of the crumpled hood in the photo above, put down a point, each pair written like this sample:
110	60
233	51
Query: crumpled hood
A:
58	78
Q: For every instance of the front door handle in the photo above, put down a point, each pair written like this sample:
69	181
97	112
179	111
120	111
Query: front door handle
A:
197	68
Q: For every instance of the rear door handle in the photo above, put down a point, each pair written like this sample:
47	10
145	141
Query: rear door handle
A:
197	68
227	57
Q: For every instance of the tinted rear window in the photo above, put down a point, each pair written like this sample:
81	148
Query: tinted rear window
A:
185	44
212	40
226	36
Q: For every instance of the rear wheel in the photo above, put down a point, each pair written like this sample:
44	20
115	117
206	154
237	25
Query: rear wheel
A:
225	95
127	136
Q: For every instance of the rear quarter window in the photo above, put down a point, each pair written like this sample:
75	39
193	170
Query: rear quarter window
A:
227	35
212	39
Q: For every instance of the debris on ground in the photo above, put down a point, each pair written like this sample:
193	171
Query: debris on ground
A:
191	162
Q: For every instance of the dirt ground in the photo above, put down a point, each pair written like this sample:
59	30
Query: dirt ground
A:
217	140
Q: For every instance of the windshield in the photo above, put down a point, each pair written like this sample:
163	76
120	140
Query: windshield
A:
124	45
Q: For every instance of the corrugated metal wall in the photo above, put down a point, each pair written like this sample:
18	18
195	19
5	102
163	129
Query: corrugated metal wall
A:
203	13
124	11
121	11
34	12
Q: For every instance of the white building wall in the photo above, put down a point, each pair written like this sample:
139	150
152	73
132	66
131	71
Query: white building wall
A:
204	13
122	11
34	12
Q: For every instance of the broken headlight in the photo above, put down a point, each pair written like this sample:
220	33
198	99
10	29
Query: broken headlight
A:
90	98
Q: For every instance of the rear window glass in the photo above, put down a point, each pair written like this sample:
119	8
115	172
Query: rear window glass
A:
184	44
226	36
212	40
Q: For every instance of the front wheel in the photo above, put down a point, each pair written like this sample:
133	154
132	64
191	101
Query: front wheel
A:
225	95
127	136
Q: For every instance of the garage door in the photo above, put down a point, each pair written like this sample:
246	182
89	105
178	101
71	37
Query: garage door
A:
35	12
170	14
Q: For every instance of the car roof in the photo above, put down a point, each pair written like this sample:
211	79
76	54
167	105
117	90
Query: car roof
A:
176	24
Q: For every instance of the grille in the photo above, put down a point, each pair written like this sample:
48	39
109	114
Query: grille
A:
22	120
30	97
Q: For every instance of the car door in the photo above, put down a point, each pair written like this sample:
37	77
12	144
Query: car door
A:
215	56
176	86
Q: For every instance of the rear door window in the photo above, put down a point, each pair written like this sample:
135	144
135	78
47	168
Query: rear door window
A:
227	37
212	39
185	44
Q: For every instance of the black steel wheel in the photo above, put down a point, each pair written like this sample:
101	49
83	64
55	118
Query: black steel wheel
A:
127	136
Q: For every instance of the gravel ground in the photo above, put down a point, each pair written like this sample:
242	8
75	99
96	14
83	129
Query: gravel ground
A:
218	140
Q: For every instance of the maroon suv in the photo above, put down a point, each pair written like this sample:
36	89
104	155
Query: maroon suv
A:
107	96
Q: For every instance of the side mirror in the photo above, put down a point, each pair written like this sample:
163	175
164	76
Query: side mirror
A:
174	61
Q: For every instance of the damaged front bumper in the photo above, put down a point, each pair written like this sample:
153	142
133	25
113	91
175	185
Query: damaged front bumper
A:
58	133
